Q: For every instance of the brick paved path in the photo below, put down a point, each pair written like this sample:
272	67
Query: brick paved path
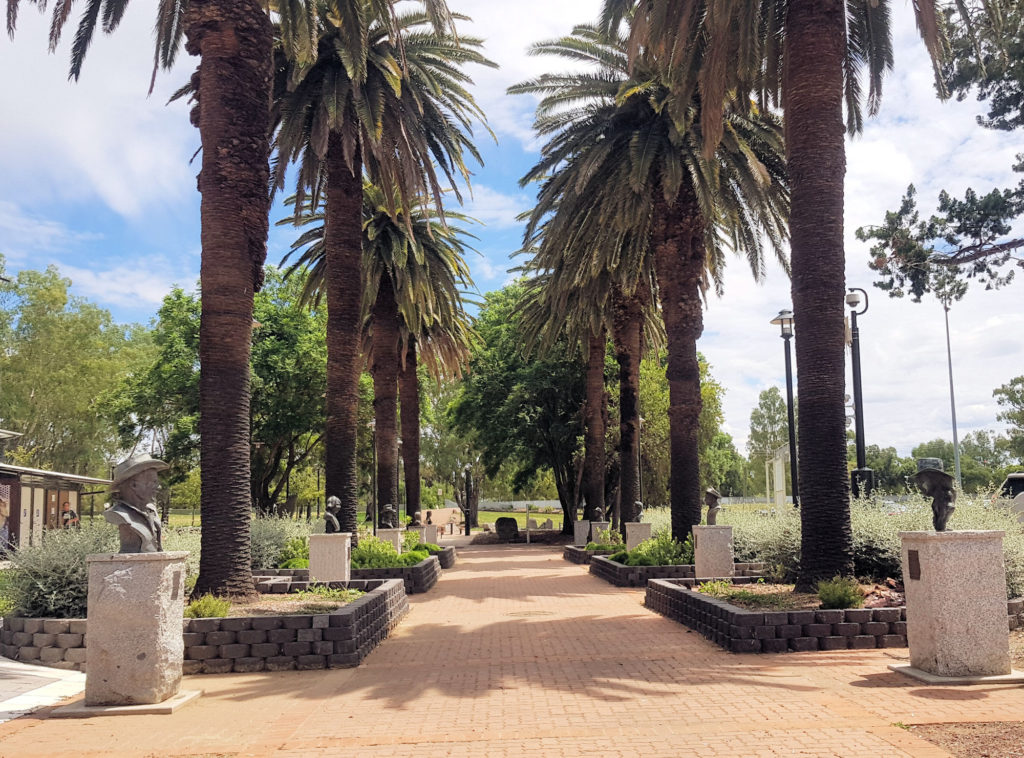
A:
518	653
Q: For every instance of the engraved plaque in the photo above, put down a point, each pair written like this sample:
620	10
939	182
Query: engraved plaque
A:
914	564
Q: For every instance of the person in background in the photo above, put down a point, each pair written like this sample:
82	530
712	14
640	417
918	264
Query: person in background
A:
68	517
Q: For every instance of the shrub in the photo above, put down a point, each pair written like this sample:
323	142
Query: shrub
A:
323	592
294	563
620	557
609	538
876	522
373	552
208	606
840	592
428	547
50	580
410	540
268	538
295	549
660	520
189	540
6	599
662	550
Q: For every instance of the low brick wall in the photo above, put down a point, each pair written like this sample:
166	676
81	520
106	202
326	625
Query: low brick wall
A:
446	557
581	555
341	639
57	643
744	631
638	576
418	578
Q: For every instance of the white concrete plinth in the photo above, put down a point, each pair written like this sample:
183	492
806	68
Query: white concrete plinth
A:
421	532
596	527
580	533
956	603
136	602
394	536
434	533
79	710
636	532
330	557
712	552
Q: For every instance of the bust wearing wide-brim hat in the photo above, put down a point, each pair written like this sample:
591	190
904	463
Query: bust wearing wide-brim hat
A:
135	465
132	511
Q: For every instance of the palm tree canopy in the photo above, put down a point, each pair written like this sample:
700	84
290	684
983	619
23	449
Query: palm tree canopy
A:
616	144
423	258
400	100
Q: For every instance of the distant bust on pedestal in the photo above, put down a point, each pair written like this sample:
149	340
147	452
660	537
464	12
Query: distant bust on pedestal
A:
388	517
711	499
331	515
938	485
132	511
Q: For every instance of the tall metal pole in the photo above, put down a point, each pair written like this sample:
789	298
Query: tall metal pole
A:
792	422
952	401
863	477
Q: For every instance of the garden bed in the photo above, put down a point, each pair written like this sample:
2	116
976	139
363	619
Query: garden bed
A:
446	556
637	576
747	631
581	555
337	639
418	578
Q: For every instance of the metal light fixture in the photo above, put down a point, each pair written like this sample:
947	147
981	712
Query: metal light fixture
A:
785	321
862	479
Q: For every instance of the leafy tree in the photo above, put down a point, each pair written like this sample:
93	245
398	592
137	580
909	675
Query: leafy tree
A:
160	402
892	473
524	412
1010	397
987	58
977	473
769	430
61	353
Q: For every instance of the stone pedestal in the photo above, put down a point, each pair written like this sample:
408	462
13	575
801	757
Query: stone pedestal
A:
330	557
434	534
956	603
423	533
596	527
394	536
712	552
580	533
636	532
136	602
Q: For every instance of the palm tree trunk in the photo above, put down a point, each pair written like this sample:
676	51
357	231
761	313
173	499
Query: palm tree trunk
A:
234	41
593	462
409	396
627	333
384	369
678	241
812	100
343	257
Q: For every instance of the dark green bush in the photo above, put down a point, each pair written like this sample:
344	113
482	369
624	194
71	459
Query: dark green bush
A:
295	549
840	592
295	563
620	557
208	606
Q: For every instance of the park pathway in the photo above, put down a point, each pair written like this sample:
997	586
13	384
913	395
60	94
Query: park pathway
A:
517	653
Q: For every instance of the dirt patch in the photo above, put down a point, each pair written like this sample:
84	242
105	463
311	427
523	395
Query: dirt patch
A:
993	739
780	597
291	605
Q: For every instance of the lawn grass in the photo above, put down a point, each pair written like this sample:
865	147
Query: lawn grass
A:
489	517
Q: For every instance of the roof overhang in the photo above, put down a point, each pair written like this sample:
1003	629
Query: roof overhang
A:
58	476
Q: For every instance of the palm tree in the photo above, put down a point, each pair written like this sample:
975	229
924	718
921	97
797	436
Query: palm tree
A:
625	179
415	272
810	57
402	114
234	40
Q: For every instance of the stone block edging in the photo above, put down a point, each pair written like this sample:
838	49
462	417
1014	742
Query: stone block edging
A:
341	639
740	630
56	643
418	578
581	555
638	576
446	557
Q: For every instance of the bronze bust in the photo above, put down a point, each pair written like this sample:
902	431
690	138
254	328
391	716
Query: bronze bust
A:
132	511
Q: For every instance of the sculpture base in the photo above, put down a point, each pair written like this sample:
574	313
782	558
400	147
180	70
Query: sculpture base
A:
598	526
79	710
1014	677
394	536
136	603
580	532
956	603
636	532
330	557
712	552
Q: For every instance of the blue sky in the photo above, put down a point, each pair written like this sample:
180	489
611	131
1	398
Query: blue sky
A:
97	180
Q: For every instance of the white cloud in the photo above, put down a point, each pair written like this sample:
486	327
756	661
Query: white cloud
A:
495	209
24	233
139	288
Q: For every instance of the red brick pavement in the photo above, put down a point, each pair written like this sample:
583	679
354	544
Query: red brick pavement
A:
518	653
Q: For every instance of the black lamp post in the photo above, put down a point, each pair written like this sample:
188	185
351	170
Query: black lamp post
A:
785	323
862	479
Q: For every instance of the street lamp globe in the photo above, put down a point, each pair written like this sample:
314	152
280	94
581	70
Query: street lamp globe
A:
785	322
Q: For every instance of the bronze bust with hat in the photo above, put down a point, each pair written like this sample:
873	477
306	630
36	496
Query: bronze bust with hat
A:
132	510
